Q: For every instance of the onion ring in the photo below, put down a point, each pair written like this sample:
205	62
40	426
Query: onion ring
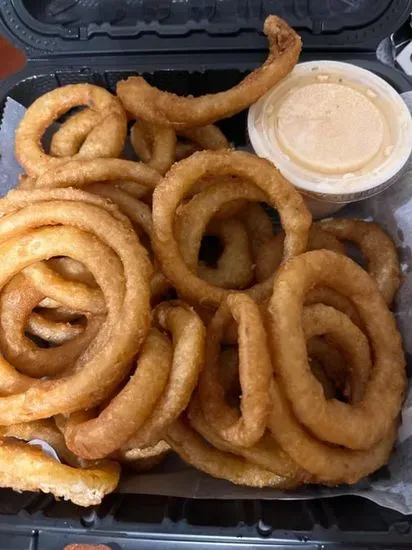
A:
329	465
377	248
17	301
105	140
68	140
356	426
255	373
188	333
154	145
79	173
266	453
28	468
51	331
178	181
71	294
126	293
128	410
152	105
234	268
193	450
318	320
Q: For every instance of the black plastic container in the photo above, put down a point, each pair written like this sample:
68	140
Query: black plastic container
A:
190	46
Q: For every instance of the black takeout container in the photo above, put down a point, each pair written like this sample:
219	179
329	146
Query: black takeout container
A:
190	47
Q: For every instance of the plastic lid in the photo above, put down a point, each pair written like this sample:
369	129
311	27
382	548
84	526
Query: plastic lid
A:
51	28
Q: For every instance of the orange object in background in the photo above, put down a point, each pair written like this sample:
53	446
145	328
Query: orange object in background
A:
11	58
86	547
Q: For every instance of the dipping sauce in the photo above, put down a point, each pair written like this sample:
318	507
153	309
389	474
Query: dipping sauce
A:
337	132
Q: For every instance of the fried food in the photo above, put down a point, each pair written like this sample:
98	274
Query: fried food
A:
255	374
147	103
268	185
157	306
105	243
357	426
105	139
376	247
129	409
28	468
195	451
188	335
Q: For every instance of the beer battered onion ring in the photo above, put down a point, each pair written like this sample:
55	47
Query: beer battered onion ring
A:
55	332
357	426
222	465
234	267
157	145
37	225
69	138
17	301
27	468
376	247
188	334
269	258
255	373
128	410
106	139
147	103
79	173
266	453
178	182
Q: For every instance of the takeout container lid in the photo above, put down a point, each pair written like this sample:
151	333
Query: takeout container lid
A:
94	41
324	187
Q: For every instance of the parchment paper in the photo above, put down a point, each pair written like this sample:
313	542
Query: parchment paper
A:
391	486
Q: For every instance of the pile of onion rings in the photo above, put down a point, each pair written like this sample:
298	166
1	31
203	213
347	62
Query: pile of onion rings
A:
153	306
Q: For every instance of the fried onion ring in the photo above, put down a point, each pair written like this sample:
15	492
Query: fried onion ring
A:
377	248
106	139
128	410
148	103
357	426
27	468
17	301
234	268
188	333
255	373
93	233
177	183
193	450
52	331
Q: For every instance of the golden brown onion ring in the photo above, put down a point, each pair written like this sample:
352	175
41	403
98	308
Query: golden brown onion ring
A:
106	139
52	331
178	182
234	267
255	373
363	424
28	468
128	410
188	333
377	248
148	103
126	293
195	451
17	301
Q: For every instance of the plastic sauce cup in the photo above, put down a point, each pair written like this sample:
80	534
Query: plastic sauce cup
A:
327	186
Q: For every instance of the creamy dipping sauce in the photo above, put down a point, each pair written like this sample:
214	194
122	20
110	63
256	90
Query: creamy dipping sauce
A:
336	131
330	127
